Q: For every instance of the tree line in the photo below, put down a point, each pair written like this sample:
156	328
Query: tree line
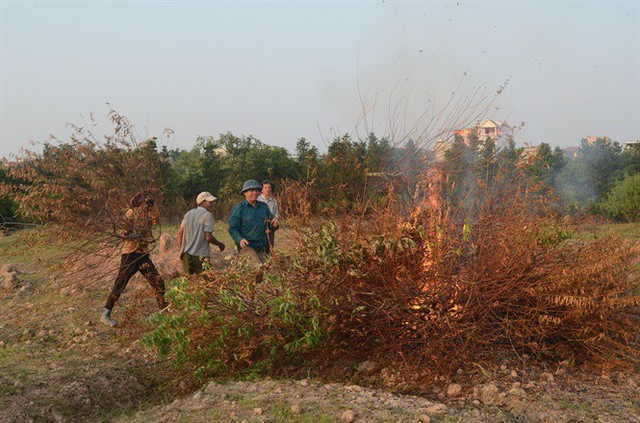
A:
602	178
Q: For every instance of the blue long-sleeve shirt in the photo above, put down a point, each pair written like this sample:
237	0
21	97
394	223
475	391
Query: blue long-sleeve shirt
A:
249	222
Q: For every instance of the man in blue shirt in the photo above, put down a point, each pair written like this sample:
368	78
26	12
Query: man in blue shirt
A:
248	224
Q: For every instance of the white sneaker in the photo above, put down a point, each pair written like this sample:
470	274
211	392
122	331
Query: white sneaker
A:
106	318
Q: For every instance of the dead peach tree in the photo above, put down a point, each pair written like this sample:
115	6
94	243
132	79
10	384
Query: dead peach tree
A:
81	187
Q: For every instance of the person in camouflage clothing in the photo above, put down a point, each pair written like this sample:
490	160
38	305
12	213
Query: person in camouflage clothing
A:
137	232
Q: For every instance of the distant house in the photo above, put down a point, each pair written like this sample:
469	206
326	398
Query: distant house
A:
221	151
464	133
440	149
488	129
529	150
631	144
497	131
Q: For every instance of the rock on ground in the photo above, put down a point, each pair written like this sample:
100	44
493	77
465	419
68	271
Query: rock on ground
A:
454	389
166	243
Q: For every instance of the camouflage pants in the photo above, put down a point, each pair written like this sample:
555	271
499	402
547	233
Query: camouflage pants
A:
130	264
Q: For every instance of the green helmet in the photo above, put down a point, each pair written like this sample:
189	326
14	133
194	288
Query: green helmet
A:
250	184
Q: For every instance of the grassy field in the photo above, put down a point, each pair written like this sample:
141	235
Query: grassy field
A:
630	231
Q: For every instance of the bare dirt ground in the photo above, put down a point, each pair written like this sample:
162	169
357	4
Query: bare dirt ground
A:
59	363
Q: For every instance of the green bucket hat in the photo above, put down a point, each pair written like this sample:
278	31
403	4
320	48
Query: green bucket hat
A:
250	184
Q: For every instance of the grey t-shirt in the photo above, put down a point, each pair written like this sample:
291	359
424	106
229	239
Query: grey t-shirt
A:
195	223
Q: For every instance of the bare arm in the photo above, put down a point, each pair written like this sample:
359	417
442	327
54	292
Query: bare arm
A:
212	240
180	233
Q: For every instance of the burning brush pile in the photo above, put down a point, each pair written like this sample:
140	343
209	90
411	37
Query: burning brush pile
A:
433	286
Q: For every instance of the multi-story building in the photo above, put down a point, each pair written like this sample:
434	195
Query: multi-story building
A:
497	131
488	129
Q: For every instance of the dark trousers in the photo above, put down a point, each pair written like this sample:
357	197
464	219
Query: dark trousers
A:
192	265
272	239
129	265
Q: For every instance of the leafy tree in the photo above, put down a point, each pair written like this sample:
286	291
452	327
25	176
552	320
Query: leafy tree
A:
557	162
379	154
603	163
487	161
305	151
308	161
195	171
587	178
623	202
411	163
8	208
547	164
631	160
343	174
508	159
221	164
574	186
268	162
473	168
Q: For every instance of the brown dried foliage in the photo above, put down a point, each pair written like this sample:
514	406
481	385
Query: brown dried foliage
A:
82	187
296	198
449	283
436	287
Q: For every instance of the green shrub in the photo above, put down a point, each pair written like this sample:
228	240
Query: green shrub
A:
227	326
623	202
552	234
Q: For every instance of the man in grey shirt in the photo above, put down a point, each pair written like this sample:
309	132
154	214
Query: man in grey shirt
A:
267	197
196	233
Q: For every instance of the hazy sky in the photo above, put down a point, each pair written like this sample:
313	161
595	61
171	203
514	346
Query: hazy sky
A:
284	70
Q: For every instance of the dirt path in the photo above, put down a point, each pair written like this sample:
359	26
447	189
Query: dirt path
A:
58	363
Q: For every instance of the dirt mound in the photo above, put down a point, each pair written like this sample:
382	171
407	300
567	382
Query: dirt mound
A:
166	243
68	389
510	395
